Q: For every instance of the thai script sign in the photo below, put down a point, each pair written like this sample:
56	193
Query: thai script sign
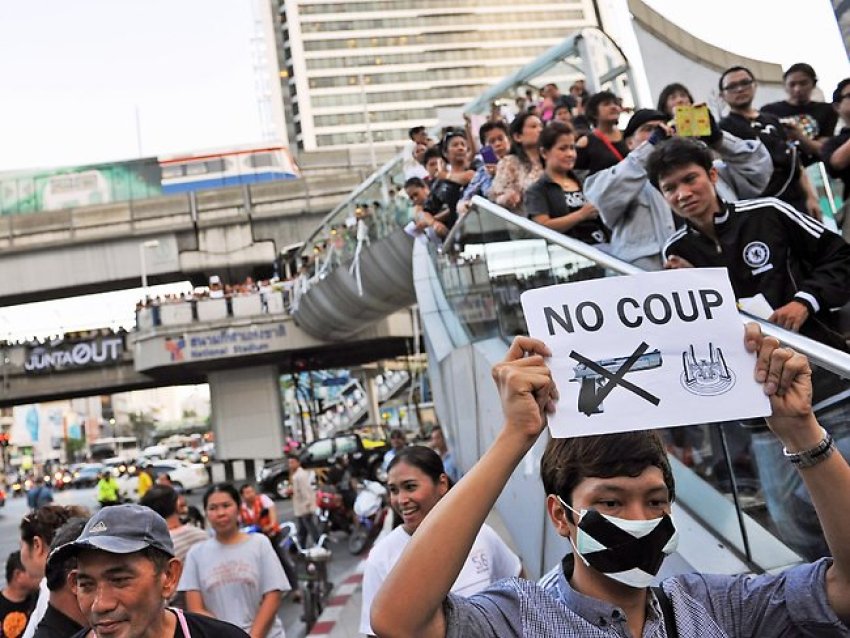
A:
227	342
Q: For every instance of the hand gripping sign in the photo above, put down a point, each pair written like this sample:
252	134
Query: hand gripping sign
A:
645	351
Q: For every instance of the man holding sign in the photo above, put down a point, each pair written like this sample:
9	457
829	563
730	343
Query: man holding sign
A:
621	500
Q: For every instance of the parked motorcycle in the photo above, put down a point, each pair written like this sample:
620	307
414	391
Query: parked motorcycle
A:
371	509
332	513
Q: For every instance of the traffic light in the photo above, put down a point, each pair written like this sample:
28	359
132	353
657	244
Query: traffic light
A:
4	440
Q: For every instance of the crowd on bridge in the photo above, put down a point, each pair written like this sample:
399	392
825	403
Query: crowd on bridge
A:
264	289
71	336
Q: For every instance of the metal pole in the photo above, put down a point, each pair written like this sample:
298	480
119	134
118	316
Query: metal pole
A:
138	131
372	158
144	270
734	484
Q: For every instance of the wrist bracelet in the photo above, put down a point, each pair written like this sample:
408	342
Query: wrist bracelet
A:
813	456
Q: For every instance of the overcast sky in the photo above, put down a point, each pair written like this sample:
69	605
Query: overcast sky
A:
76	73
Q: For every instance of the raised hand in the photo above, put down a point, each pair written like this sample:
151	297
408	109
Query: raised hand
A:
525	386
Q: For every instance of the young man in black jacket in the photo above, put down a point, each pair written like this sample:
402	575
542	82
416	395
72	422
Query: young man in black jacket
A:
801	269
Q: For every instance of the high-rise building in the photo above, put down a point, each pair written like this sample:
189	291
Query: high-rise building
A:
396	61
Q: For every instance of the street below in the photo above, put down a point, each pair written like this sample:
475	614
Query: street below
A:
290	613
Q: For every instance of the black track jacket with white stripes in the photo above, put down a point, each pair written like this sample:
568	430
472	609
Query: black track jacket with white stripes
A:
771	248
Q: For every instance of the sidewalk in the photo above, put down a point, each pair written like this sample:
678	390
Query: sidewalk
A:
341	618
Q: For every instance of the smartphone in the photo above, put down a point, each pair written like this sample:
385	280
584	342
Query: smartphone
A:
489	155
692	121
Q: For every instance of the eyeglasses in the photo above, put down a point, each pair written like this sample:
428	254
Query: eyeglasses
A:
743	84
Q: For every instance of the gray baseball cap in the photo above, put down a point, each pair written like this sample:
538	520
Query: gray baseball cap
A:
120	529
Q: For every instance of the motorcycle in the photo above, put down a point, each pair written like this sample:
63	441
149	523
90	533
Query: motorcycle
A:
370	509
332	513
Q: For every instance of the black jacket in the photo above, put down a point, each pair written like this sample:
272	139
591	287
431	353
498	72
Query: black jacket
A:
771	248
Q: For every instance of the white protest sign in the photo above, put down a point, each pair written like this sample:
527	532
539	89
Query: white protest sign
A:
645	351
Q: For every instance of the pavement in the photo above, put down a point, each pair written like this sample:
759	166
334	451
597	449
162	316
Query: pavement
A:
341	617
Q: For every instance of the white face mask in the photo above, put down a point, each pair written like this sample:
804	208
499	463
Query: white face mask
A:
628	551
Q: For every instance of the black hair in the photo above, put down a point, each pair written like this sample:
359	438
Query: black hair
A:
669	90
517	125
591	109
733	69
415	131
448	137
162	499
245	486
801	67
56	572
567	462
414	181
836	95
422	458
44	522
396	433
430	153
226	488
489	126
159	558
550	134
674	153
13	564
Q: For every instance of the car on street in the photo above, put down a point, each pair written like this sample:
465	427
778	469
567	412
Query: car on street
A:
364	461
87	475
185	476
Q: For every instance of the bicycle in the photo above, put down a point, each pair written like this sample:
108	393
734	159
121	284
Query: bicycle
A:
312	571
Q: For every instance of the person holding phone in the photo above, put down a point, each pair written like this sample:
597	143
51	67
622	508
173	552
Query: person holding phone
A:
807	122
494	146
637	214
557	200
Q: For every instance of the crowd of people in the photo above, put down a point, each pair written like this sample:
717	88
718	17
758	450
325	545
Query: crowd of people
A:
600	168
157	568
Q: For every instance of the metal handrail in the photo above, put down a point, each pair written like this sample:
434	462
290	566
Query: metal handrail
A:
824	356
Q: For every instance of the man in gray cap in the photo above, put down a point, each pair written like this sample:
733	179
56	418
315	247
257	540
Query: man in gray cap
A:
126	570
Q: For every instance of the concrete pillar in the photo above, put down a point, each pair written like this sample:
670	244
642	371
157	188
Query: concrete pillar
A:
247	416
372	403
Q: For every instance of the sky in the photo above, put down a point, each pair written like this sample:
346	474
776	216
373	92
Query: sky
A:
75	75
783	31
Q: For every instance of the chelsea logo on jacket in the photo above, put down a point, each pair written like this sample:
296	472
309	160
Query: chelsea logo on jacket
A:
756	256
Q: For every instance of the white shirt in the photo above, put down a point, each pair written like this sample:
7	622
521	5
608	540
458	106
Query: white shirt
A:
489	560
40	608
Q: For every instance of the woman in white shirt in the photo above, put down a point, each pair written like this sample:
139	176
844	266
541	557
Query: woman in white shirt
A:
416	482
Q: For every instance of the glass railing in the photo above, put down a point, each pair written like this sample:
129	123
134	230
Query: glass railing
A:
730	476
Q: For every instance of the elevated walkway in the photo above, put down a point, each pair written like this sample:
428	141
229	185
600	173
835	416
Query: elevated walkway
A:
60	253
187	351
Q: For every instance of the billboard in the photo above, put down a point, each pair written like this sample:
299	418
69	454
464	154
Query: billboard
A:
76	186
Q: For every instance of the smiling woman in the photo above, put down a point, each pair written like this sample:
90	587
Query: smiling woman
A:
417	481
